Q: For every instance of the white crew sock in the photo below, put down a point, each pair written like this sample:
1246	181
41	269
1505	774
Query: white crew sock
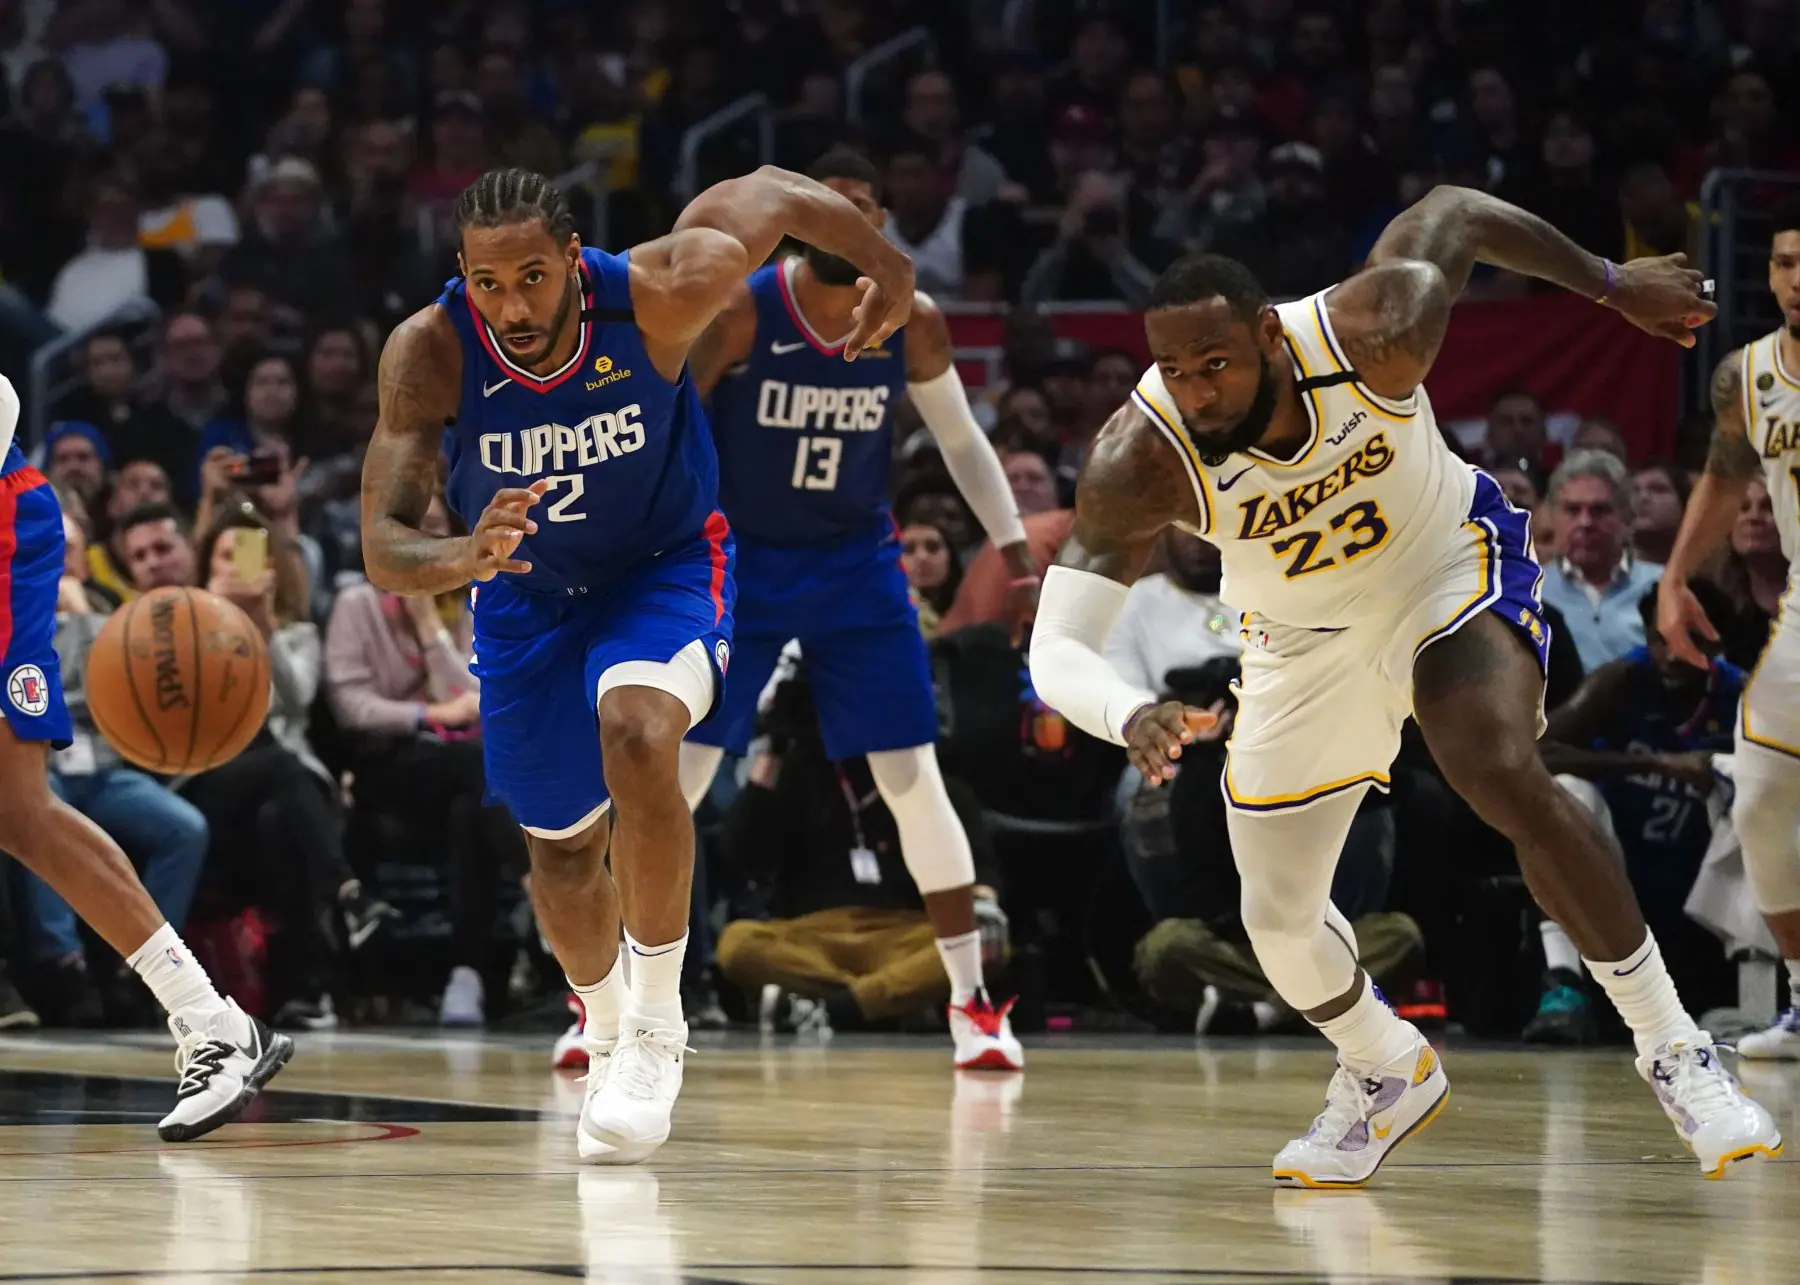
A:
1793	970
655	990
962	960
1640	989
1369	1033
180	984
1559	951
602	1002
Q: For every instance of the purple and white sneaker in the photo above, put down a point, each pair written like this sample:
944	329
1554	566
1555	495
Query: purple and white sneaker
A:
1367	1114
1719	1122
1781	1042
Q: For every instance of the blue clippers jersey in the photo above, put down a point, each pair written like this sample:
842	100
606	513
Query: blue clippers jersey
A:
631	466
804	436
1652	811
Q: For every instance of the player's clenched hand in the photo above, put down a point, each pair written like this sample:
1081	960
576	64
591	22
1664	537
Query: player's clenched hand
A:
1155	734
1662	296
1679	616
504	523
886	304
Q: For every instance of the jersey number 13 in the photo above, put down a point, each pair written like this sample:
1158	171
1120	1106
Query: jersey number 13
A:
816	463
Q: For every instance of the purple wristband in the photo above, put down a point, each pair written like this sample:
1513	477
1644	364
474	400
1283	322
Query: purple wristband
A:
1612	279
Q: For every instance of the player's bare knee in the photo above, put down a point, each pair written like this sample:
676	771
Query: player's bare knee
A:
640	734
567	859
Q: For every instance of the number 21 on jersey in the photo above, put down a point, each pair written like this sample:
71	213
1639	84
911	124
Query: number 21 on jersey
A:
816	463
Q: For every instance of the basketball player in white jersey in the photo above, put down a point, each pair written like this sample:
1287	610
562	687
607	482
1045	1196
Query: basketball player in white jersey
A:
1756	433
1377	576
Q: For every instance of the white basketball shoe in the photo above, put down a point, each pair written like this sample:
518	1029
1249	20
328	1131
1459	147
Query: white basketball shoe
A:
983	1036
1719	1122
1780	1042
224	1062
630	1100
1368	1112
570	1052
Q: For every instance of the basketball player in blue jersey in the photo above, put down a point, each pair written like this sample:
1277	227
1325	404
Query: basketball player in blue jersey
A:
555	378
1377	576
804	446
225	1056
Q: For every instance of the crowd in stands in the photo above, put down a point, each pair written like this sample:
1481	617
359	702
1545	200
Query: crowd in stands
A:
217	211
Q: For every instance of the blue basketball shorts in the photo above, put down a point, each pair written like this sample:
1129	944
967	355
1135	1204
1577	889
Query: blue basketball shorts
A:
847	604
31	567
541	658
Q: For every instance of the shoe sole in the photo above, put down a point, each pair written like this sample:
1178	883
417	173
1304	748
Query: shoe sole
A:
24	1020
276	1056
1294	1178
617	1151
991	1059
1752	1155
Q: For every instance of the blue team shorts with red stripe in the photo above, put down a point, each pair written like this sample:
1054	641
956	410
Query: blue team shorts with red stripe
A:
31	567
540	657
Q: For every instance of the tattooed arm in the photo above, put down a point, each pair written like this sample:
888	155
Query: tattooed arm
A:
1391	318
419	383
1731	463
1131	487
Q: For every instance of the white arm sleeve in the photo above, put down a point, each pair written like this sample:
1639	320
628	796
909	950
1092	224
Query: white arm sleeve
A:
969	456
1076	610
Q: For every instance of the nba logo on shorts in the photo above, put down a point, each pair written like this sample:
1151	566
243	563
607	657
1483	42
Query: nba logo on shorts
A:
722	653
28	690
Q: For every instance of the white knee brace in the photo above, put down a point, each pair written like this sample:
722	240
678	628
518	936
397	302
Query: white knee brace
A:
699	764
1766	815
932	841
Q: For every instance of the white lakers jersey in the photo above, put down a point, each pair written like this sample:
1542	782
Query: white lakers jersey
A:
1772	411
1363	512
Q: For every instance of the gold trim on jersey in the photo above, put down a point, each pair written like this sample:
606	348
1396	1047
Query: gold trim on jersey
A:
1768	743
1488	543
1386	407
1184	448
1315	415
1299	798
1780	370
1748	392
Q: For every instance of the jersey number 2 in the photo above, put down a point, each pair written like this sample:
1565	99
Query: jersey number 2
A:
816	463
1367	529
559	511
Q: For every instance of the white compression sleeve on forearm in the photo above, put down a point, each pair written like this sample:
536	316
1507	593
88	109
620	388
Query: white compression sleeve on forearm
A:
1076	610
976	470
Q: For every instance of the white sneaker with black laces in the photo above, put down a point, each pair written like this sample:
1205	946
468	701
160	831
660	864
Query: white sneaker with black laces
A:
1721	1125
224	1062
630	1102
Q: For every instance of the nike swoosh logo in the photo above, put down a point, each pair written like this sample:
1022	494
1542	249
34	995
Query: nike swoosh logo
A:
1767	402
1627	972
781	350
652	954
1379	1131
1226	484
488	390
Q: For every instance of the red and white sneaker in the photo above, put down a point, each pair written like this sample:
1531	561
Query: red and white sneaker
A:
984	1038
571	1053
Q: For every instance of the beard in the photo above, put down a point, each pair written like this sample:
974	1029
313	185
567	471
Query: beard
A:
831	270
1215	444
554	332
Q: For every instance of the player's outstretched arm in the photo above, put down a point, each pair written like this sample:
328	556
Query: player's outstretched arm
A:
419	383
943	403
1130	489
681	281
1731	462
1391	318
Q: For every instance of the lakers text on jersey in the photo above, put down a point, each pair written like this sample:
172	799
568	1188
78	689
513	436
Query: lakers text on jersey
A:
1769	715
1344	563
631	560
804	440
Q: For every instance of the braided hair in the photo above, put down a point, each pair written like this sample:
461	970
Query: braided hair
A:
502	197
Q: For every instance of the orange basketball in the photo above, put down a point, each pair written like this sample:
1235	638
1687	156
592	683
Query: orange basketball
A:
178	681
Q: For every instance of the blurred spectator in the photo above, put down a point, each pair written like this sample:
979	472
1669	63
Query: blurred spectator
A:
955	249
932	571
1155	155
1297	247
288	252
1657	220
191	360
265	410
1595	434
397	671
1097	253
154	542
520	138
982	597
114	271
1659	495
850	936
934	119
76	456
1524	491
1025	405
162	833
1098	56
1503	148
1597	581
393	276
244	324
1565	190
109	44
1756	576
1226	193
1745	120
1173	618
336	367
307	133
136	484
1516	433
41	144
1016	135
1033	484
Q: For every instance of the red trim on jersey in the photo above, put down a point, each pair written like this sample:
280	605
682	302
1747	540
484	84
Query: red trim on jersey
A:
517	373
717	528
9	545
793	311
21	480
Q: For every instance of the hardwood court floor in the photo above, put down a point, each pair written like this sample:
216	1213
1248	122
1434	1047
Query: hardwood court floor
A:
395	1159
